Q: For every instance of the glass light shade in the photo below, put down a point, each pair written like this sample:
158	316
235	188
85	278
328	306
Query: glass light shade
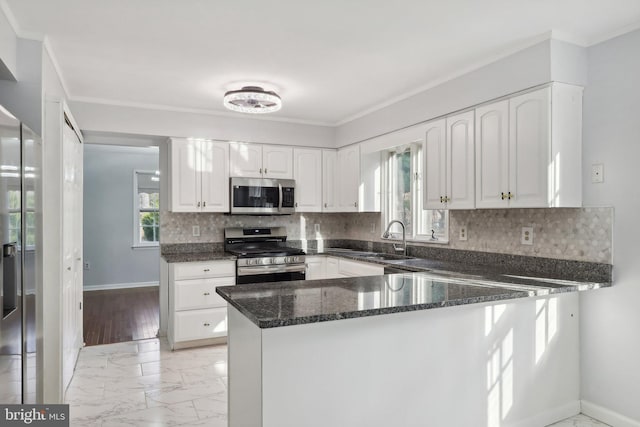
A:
252	99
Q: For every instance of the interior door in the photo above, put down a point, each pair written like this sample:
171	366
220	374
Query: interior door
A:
71	251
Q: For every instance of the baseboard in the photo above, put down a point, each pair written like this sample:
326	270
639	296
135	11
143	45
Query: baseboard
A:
119	286
607	416
550	416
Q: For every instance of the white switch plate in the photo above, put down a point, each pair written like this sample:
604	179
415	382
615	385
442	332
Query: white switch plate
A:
526	237
195	230
597	173
317	227
463	233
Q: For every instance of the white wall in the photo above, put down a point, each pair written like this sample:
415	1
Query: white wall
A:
8	48
133	120
610	318
108	217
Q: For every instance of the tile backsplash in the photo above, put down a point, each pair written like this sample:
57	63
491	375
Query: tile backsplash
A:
583	234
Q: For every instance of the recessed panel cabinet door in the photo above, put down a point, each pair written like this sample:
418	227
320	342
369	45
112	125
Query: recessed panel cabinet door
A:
435	161
529	148
277	162
460	161
307	172
185	175
246	160
349	178
214	176
329	181
492	155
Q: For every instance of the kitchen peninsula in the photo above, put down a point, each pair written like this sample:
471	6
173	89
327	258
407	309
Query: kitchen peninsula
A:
410	349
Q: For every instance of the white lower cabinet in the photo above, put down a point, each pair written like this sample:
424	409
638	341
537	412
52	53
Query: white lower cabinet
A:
197	314
326	267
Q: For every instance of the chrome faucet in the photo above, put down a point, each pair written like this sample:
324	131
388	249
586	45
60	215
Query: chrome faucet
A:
385	235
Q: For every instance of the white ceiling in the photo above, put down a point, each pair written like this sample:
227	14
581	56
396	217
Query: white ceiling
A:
330	60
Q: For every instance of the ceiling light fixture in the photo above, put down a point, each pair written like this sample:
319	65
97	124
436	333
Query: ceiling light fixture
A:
252	99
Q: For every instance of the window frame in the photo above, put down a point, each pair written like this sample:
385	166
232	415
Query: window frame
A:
416	189
137	243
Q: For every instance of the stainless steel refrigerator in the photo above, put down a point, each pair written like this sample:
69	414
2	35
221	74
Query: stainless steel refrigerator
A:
20	239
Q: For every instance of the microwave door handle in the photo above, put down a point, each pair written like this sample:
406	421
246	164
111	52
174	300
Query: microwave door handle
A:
280	198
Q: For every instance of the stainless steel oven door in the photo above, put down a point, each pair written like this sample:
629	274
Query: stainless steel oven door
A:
256	196
270	273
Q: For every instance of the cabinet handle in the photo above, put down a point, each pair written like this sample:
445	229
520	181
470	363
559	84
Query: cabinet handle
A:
204	204
296	204
206	294
355	204
207	324
504	196
206	270
325	205
198	204
441	199
260	171
511	196
265	171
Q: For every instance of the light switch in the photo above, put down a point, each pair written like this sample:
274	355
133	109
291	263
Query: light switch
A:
597	173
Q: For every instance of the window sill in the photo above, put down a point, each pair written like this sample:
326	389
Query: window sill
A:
150	246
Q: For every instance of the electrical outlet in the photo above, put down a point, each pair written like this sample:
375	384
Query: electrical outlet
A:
463	233
87	266
597	173
526	236
316	227
195	231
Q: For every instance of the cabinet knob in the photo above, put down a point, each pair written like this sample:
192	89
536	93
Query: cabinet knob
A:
206	294
207	324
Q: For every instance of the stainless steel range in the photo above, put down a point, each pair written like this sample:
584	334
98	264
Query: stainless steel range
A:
263	255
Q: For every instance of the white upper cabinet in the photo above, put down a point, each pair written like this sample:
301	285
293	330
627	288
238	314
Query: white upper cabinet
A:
348	178
277	162
435	161
450	163
529	150
492	155
329	181
199	175
258	161
307	172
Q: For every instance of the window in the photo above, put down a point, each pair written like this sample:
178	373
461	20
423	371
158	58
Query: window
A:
403	197
147	208
15	231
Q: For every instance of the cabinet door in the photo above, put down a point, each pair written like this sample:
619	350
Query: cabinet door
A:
529	148
316	266
332	268
349	178
435	161
277	162
214	176
492	155
246	160
185	176
307	172
329	181
357	269
460	162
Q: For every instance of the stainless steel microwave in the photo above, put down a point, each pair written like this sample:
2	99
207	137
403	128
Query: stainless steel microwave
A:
262	196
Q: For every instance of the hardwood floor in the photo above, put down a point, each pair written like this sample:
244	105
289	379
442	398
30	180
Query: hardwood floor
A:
120	315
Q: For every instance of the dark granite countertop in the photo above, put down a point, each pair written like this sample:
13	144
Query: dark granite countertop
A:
198	256
270	305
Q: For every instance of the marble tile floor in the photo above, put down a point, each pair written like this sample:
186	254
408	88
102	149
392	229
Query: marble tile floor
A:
144	383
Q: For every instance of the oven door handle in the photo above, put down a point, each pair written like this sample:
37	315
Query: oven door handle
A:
266	269
280	197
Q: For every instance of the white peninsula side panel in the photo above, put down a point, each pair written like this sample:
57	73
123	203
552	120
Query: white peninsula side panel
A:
499	364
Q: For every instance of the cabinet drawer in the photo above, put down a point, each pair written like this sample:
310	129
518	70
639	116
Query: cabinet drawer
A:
200	324
200	293
354	268
203	269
